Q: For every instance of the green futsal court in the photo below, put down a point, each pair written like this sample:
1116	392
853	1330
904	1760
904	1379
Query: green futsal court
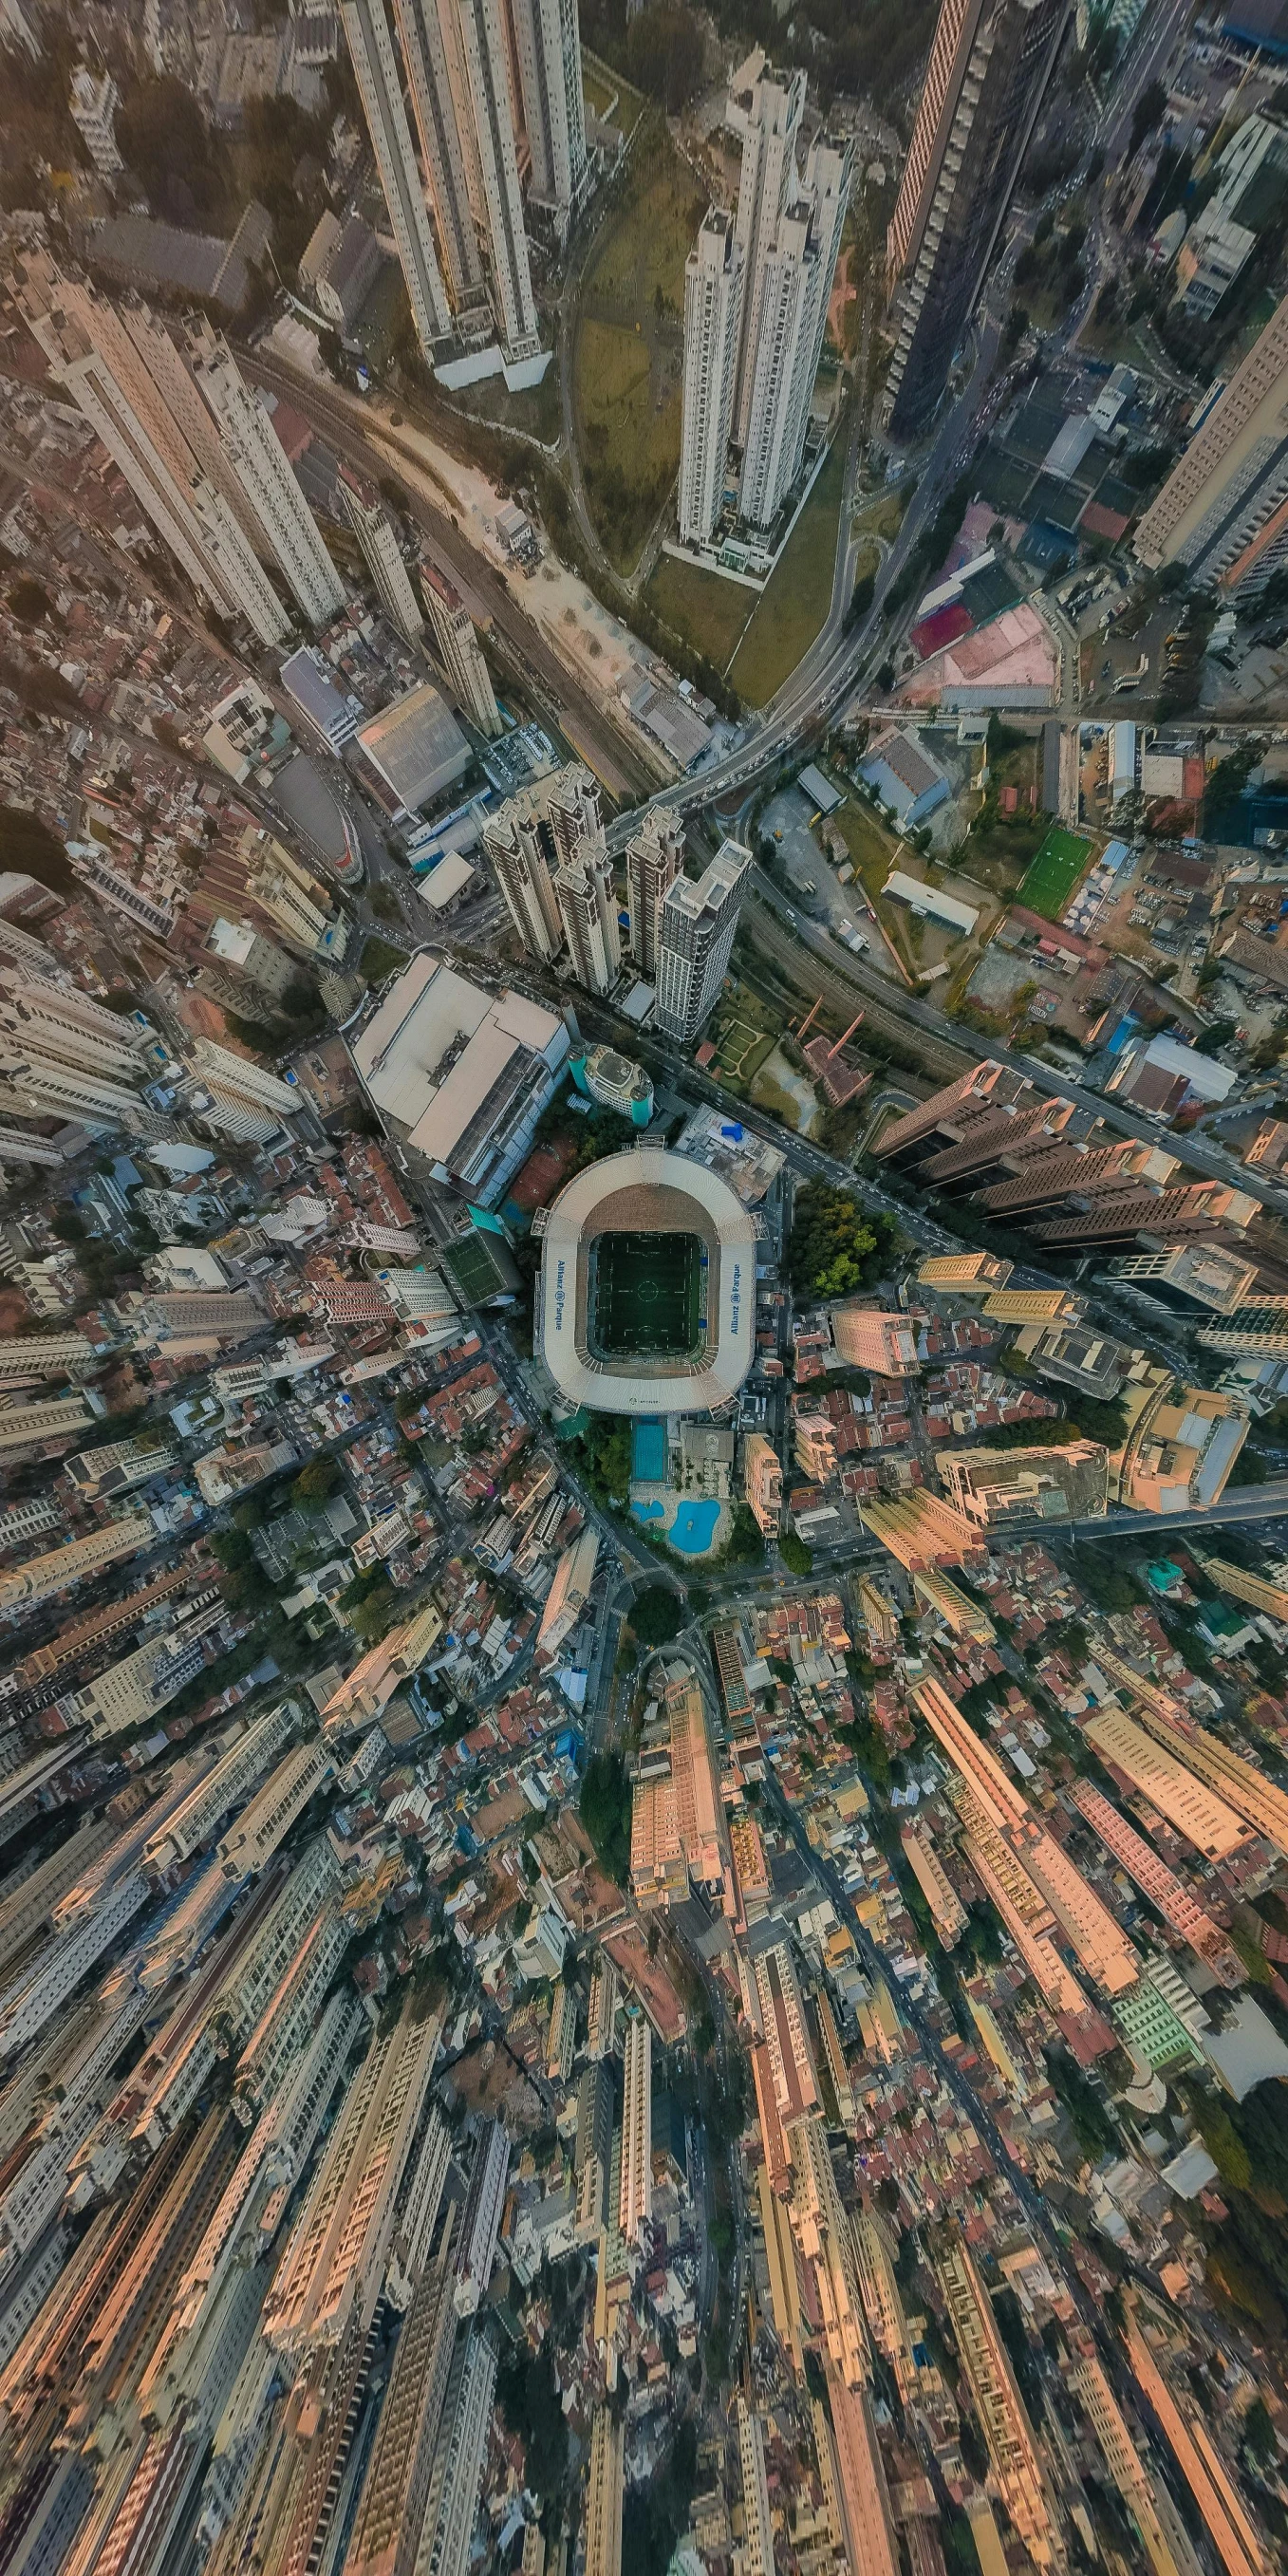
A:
647	1294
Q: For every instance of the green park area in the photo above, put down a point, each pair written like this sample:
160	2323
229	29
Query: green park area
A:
630	347
799	592
706	607
1049	880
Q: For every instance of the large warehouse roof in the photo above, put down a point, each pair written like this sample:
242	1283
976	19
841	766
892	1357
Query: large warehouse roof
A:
647	1191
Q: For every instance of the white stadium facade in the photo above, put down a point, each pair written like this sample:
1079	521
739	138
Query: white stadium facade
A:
646	1302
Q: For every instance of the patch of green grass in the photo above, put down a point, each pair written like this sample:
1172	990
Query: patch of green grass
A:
799	594
1049	880
709	611
379	959
629	348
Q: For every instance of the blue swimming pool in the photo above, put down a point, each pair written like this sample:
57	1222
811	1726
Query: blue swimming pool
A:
648	1511
648	1453
693	1527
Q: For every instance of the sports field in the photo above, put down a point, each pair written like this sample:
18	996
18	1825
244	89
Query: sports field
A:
648	1290
1053	872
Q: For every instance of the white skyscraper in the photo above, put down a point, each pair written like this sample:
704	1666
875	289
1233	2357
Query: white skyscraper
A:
431	48
584	881
782	379
370	524
185	492
755	309
548	41
654	859
375	68
713	281
458	649
696	925
93	104
498	211
263	470
517	848
766	187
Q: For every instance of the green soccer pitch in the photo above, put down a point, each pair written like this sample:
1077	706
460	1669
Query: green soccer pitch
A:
648	1290
1053	872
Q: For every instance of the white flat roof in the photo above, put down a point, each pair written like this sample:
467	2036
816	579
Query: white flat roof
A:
932	900
584	1209
425	1015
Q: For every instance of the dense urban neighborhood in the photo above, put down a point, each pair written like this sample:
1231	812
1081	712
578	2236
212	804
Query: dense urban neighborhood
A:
643	1288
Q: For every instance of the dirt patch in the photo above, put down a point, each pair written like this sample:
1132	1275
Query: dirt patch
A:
489	2080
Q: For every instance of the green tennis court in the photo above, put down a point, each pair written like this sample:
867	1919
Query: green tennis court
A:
648	1290
1053	872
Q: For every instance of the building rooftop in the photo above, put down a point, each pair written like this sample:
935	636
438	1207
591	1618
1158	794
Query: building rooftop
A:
437	1048
417	746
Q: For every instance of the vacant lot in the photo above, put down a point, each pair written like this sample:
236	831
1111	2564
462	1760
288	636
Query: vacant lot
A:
1048	883
798	597
629	349
710	612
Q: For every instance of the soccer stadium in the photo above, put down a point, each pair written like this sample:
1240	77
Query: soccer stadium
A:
646	1302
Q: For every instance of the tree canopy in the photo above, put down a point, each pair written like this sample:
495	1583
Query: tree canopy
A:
831	1244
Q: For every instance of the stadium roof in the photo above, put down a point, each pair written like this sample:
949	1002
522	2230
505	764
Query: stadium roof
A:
647	1190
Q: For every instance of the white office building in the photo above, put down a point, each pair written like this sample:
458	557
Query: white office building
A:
713	281
499	211
481	2223
696	925
371	526
376	71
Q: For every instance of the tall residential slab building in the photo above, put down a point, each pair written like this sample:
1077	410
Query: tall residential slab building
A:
989	68
458	649
654	859
375	67
635	2204
695	933
370	523
429	38
713	278
767	186
547	40
493	171
187	499
789	304
583	881
1223	511
263	471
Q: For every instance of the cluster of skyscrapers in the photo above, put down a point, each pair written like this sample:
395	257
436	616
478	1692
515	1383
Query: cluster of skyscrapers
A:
196	447
548	849
495	96
756	292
